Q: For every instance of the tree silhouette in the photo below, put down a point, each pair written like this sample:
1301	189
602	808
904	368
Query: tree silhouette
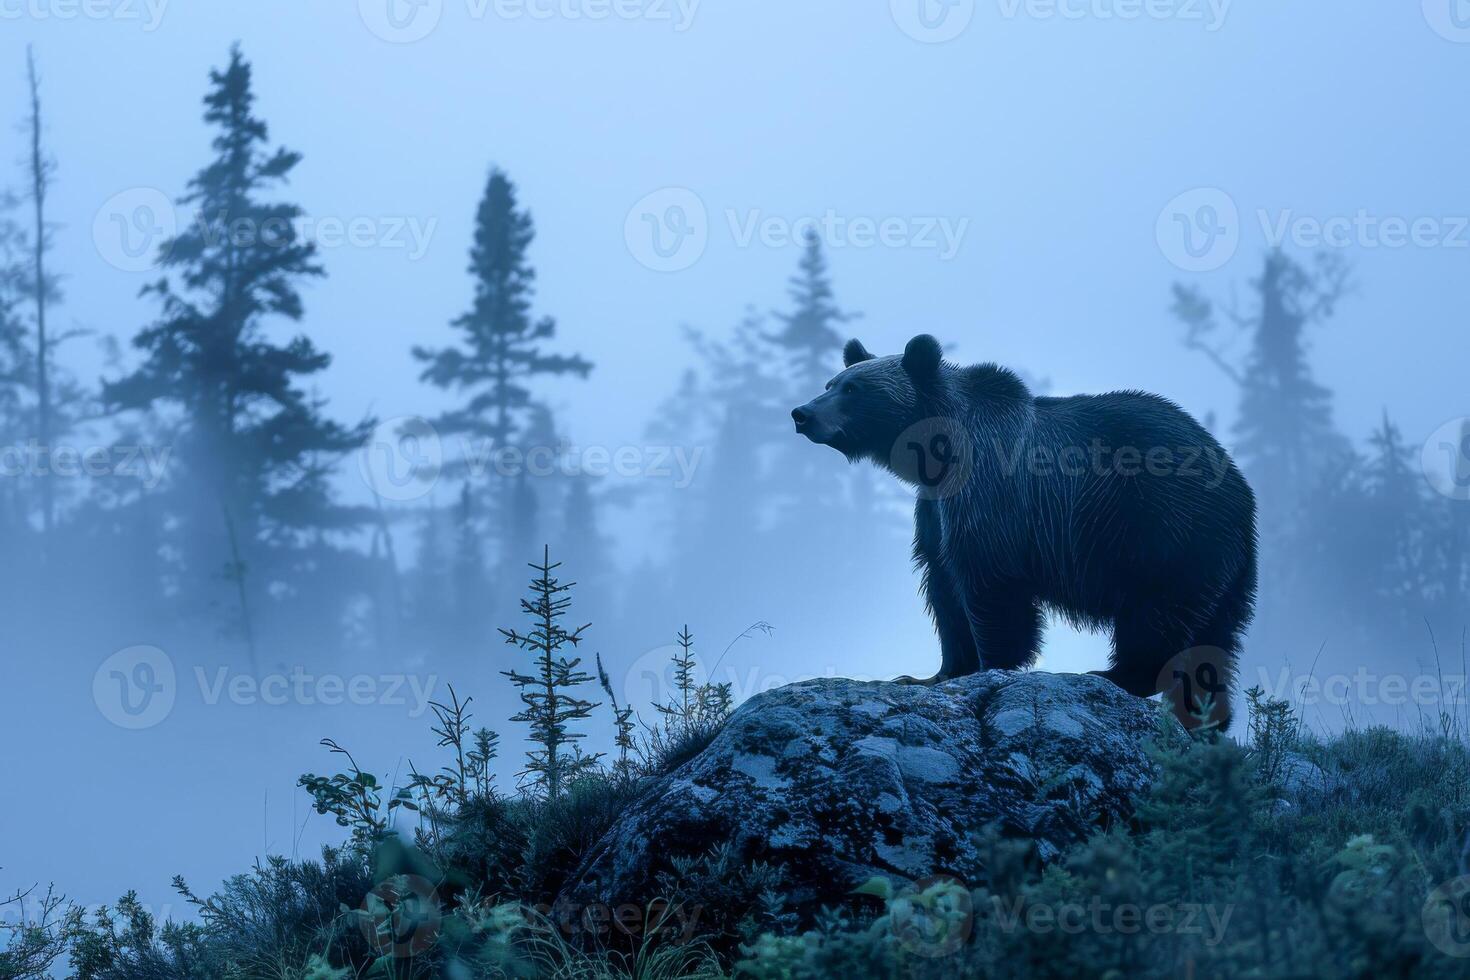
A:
254	443
547	694
503	345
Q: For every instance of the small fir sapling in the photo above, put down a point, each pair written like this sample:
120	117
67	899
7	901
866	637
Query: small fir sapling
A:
547	694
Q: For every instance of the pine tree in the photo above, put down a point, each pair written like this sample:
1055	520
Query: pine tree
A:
432	589
470	582
15	377
1284	434
587	548
1285	441
522	503
809	334
682	706
256	447
503	346
38	404
502	350
547	694
815	499
1397	518
1453	533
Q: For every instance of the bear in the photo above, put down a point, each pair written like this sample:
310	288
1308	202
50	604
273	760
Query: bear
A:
1115	511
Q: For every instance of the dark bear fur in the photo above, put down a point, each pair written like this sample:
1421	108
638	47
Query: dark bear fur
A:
1114	510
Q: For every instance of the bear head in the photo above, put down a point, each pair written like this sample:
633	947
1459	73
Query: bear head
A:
874	400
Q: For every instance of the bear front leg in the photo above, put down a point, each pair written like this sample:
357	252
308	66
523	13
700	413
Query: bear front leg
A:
1006	624
942	598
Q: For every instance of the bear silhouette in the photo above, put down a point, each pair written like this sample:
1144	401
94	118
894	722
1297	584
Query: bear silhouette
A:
1111	511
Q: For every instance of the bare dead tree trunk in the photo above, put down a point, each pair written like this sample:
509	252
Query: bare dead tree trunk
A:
236	571
40	182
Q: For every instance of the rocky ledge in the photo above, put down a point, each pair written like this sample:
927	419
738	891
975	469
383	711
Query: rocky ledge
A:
842	780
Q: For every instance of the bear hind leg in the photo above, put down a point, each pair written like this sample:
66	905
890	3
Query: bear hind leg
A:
1192	664
1216	647
1007	629
1145	640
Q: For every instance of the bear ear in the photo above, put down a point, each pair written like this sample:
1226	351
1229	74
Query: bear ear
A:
921	357
855	353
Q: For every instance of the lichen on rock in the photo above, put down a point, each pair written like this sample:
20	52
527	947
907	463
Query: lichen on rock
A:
841	780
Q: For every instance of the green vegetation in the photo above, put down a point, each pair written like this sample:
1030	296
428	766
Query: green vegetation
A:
1288	856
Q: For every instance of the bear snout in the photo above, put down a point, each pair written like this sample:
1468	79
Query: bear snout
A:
802	417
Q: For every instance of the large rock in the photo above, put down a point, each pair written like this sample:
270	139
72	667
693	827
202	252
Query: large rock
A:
841	780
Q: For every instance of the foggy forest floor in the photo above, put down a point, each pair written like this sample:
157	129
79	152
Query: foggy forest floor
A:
1286	854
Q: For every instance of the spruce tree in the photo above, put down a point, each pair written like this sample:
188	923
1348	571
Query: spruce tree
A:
809	345
548	693
1284	437
432	589
1398	518
810	336
254	444
1284	434
503	346
15	378
470	582
587	548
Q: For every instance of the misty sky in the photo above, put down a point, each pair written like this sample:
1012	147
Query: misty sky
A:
1016	190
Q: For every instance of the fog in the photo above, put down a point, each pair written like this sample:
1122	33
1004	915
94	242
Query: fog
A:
1030	190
